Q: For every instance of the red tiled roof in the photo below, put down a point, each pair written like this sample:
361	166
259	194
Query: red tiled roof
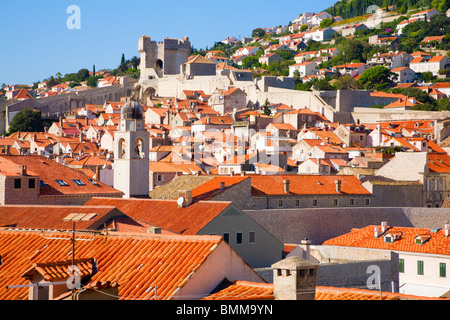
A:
306	185
438	162
181	220
246	290
364	238
212	187
135	262
50	171
49	217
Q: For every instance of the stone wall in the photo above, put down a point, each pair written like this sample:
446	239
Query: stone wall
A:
318	225
64	103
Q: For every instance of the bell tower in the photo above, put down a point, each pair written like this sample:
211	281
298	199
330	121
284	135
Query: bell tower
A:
131	152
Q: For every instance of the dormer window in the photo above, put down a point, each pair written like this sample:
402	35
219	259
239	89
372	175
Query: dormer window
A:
62	183
78	182
388	239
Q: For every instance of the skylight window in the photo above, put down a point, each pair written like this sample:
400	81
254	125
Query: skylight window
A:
93	182
78	182
62	183
43	183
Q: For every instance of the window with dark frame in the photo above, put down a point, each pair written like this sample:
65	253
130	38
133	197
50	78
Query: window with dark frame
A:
238	237
17	183
226	237
31	183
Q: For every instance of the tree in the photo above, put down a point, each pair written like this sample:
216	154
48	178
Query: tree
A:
266	108
258	33
93	70
82	75
27	120
378	78
123	61
326	23
346	83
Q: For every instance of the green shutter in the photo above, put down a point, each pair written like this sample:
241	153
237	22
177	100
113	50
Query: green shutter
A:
442	270
401	265
420	267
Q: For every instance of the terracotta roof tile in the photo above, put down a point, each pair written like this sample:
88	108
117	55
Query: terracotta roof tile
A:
136	262
364	237
306	185
51	172
181	220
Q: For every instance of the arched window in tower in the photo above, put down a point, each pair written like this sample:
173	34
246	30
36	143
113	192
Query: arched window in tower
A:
122	148
139	149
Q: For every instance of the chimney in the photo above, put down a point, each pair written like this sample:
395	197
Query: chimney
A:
97	173
23	170
446	229
338	186
187	197
286	185
154	230
305	245
86	121
294	278
383	226
376	232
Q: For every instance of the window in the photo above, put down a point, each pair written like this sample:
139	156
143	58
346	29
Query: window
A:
401	265
160	178
226	237
62	183
251	237
367	202
420	267
79	182
280	203
31	183
42	183
442	270
17	183
335	202
238	237
315	203
297	203
352	202
93	182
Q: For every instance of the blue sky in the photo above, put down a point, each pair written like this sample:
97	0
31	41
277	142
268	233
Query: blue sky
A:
36	42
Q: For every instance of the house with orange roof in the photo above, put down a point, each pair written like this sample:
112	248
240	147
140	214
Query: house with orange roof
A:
429	64
304	68
403	104
404	23
302	284
211	123
226	101
164	172
430	42
189	217
116	266
404	75
35	179
321	166
352	69
422	255
431	169
425	14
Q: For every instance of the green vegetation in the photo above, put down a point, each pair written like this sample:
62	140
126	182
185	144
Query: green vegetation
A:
378	78
27	120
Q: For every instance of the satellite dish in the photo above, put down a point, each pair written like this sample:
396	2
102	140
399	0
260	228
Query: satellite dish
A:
180	201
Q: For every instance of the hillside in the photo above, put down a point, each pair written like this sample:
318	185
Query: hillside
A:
351	8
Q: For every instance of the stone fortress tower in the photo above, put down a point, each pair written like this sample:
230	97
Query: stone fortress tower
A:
131	148
162	58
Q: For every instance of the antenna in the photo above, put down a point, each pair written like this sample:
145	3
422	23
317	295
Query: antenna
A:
74	217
